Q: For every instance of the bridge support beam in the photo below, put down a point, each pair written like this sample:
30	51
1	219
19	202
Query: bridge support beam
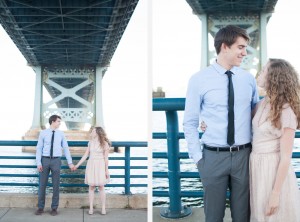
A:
256	28
75	93
72	95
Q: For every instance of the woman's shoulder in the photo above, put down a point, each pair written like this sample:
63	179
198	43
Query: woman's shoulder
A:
287	111
260	102
257	105
106	145
288	117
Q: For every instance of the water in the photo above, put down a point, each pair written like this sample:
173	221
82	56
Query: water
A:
186	165
17	151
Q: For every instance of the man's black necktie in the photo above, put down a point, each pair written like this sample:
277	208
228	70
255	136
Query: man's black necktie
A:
230	129
52	140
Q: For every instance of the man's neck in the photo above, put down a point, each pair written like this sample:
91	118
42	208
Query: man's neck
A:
52	128
222	62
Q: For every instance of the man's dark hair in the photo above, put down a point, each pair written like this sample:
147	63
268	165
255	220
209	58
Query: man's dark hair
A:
53	118
228	36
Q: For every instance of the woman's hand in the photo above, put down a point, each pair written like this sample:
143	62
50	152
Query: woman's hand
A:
76	167
203	126
107	175
273	204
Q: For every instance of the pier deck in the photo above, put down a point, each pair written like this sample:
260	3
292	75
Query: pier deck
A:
71	214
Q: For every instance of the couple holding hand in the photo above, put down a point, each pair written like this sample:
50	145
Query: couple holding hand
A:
48	158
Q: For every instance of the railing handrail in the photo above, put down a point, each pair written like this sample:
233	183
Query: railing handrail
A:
168	104
73	143
126	167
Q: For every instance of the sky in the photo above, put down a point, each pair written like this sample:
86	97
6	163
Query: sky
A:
163	54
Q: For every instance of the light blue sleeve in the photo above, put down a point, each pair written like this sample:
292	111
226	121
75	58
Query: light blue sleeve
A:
65	146
191	118
39	149
255	95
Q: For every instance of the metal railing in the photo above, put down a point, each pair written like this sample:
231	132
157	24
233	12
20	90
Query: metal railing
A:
175	210
127	167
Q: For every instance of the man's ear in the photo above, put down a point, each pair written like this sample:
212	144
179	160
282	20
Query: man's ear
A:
224	47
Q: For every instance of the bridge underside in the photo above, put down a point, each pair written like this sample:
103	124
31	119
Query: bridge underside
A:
66	32
242	7
66	42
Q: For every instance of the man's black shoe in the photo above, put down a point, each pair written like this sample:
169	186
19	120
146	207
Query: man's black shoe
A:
53	212
39	212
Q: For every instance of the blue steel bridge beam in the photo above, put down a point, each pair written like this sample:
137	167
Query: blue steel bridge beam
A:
72	91
89	108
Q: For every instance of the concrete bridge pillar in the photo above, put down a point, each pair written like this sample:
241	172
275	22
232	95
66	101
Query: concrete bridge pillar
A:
204	46
36	121
75	94
264	17
98	98
72	95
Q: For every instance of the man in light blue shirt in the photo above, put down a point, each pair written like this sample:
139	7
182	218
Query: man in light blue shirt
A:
48	158
222	164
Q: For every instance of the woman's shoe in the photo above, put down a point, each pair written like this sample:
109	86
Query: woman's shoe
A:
91	212
103	212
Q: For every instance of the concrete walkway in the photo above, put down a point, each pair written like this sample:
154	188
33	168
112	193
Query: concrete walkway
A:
72	215
196	216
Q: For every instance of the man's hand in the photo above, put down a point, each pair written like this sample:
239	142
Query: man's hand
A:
40	168
71	166
203	126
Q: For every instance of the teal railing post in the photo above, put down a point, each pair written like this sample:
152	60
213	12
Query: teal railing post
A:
175	209
127	170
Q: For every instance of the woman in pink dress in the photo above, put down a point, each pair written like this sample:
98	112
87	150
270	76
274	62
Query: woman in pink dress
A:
274	194
96	173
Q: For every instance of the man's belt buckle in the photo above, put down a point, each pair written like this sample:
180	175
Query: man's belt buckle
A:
231	147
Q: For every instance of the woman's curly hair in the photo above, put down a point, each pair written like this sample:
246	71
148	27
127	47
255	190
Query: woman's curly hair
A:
282	88
101	136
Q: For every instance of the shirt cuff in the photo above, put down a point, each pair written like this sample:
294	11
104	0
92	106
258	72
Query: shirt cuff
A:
197	156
